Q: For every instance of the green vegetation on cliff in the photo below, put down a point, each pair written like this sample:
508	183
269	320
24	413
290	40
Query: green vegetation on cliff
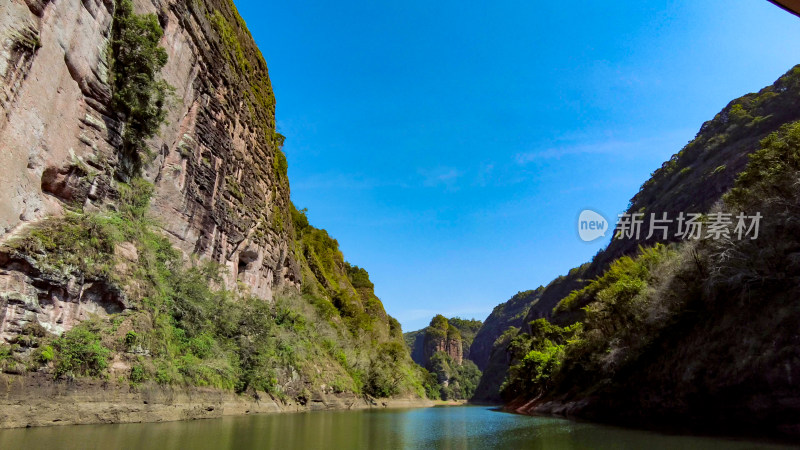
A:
622	283
701	332
456	381
503	316
442	349
468	328
693	180
158	315
696	177
491	343
440	329
78	352
181	327
340	288
138	96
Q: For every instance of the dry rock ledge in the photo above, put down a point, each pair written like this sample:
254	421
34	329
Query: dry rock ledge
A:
35	400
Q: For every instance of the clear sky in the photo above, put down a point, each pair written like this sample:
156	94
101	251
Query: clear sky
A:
450	146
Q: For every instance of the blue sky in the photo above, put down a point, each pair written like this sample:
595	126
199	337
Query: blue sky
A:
450	146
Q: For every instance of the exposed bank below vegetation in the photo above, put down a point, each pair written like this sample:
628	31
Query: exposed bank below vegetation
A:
36	401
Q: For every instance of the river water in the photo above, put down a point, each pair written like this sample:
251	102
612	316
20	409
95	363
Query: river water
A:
462	427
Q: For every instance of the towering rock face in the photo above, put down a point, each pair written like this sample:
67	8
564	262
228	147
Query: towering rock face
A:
452	336
82	236
443	348
447	343
219	174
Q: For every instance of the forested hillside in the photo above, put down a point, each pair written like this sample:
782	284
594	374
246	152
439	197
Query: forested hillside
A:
561	316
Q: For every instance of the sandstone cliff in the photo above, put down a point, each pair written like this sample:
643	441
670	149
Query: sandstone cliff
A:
443	348
182	262
452	336
448	344
221	186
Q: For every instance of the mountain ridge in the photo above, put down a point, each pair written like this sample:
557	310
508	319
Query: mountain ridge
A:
693	180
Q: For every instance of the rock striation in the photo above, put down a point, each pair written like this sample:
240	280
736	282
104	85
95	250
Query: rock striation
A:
221	189
439	336
448	343
35	400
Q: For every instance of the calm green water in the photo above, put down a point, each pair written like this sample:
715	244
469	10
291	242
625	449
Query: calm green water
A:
444	427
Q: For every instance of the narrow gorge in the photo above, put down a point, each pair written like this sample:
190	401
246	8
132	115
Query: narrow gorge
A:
154	267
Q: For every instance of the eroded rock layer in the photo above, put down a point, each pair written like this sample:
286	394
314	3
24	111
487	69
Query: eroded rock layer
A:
221	190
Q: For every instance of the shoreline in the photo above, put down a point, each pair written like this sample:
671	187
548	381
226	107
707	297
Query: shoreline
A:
35	400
